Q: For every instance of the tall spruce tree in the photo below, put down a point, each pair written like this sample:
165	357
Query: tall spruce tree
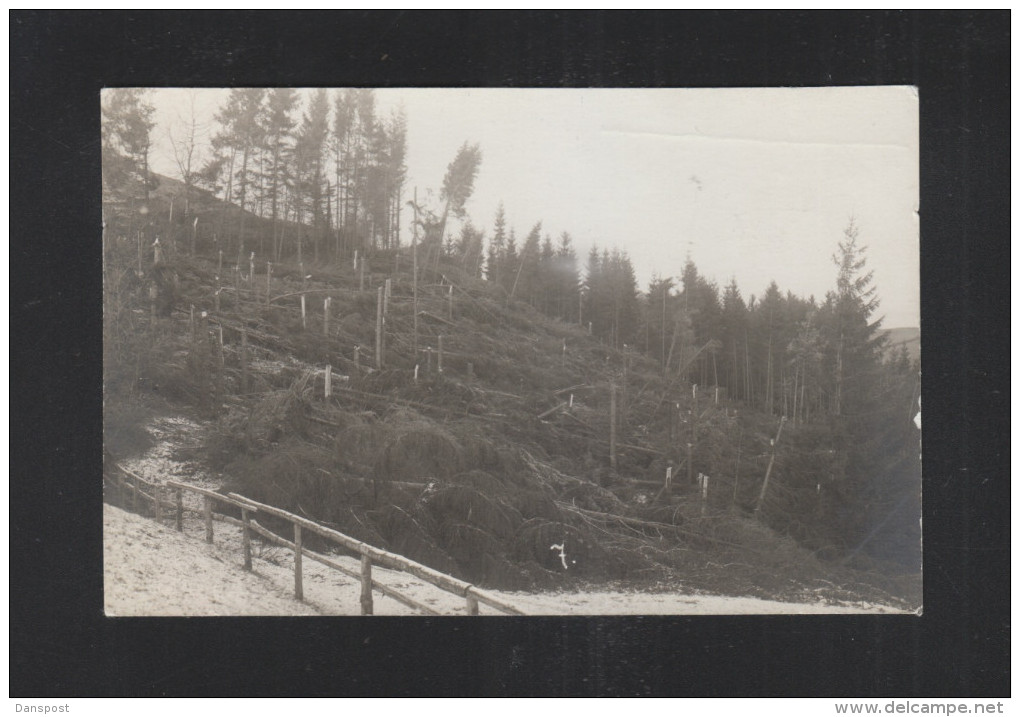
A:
279	126
497	247
855	338
566	280
458	184
309	150
873	433
526	285
734	353
240	136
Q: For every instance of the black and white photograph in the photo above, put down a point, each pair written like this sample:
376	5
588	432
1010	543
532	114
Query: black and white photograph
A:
511	351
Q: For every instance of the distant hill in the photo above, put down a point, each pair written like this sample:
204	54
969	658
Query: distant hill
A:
905	336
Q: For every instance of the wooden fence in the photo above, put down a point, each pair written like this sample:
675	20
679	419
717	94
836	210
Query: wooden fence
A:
136	493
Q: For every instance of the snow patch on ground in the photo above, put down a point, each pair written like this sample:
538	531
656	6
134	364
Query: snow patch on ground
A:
633	603
151	569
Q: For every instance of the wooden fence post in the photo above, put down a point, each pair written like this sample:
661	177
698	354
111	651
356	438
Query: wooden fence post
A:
736	470
704	494
157	507
378	328
440	361
246	538
361	278
690	464
325	316
451	301
269	280
366	585
329	381
244	360
472	604
414	274
304	322
694	433
387	287
219	267
207	510
357	359
152	312
768	471
693	413
179	518
299	590
612	426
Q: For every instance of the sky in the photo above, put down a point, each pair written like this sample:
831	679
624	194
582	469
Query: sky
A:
752	184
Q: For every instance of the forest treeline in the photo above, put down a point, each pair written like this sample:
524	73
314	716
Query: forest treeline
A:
320	182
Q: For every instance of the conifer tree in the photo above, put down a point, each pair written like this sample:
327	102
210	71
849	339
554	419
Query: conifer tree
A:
855	338
567	280
396	172
511	264
497	247
127	139
240	137
659	307
279	125
526	284
734	353
309	167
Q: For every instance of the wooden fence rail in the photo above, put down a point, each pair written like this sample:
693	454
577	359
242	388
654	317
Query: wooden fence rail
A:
370	555
133	492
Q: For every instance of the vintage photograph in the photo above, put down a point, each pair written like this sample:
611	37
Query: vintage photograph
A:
487	352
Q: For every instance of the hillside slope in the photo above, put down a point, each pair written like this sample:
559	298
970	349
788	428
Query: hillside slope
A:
478	439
